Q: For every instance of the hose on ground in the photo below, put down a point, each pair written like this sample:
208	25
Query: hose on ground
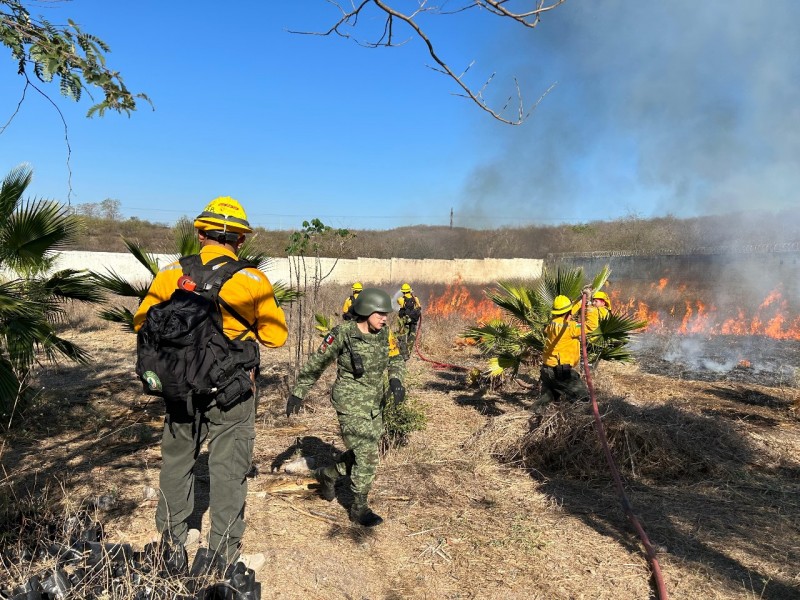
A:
601	433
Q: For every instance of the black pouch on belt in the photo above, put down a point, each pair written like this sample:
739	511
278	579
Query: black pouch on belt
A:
562	372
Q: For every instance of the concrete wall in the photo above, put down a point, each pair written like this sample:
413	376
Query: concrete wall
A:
369	270
764	270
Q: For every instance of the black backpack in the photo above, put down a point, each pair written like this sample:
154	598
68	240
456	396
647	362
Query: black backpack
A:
182	353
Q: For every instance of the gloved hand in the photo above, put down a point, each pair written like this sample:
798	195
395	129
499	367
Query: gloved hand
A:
398	391
293	405
587	289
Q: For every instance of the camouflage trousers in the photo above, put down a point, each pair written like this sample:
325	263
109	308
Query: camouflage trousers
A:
361	433
571	387
230	434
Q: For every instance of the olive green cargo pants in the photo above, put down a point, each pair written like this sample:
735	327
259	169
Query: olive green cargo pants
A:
230	434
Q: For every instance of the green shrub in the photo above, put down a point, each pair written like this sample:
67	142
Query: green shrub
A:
399	421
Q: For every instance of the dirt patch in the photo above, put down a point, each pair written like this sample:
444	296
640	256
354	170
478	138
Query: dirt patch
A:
464	517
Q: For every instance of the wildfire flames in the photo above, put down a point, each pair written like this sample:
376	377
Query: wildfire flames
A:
456	299
696	317
771	318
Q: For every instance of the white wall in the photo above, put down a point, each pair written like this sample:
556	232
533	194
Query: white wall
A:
371	271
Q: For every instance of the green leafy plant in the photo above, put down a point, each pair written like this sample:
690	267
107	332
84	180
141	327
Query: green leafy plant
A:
399	421
324	324
306	273
64	52
519	340
33	299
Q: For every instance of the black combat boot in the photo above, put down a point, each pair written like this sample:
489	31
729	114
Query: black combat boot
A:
362	514
327	480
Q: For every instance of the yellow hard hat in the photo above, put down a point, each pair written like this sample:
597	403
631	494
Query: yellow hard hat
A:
223	214
561	305
357	287
602	296
405	288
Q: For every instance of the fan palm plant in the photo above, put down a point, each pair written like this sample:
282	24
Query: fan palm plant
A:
33	299
186	243
519	339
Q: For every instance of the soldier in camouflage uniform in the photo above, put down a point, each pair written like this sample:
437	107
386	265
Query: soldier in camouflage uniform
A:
364	350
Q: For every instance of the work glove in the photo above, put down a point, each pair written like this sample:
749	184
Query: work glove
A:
398	391
293	405
587	289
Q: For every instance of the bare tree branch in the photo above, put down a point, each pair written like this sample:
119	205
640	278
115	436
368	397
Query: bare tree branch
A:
527	15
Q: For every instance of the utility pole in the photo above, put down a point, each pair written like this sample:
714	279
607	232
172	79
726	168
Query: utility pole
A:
451	217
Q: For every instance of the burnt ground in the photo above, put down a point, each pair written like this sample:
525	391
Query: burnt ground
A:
464	518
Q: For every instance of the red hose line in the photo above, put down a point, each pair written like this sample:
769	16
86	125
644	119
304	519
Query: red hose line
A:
601	433
436	364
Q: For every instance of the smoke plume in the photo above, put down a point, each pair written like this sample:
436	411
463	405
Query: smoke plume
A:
684	108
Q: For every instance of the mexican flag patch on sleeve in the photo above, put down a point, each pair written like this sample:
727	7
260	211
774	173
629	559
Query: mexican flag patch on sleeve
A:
326	343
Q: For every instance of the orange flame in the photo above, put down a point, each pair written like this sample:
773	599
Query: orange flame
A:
694	317
688	317
456	299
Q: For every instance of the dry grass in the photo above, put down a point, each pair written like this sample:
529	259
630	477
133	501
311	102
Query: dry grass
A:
479	505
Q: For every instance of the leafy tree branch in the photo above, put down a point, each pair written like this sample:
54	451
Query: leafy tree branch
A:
76	59
526	13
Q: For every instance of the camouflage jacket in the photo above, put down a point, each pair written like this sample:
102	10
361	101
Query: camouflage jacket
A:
353	392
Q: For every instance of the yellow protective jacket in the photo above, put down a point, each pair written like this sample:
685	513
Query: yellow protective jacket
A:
593	316
401	301
249	292
563	343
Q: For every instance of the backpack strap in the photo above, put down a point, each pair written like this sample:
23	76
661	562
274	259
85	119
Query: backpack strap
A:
210	278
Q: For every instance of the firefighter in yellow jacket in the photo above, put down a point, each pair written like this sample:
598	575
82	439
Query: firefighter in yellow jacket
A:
597	310
347	307
409	315
230	429
559	375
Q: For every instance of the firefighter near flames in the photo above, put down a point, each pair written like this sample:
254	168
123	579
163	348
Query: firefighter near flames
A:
409	317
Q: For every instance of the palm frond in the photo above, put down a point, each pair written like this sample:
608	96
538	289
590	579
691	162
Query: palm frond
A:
22	335
145	258
13	301
11	191
9	386
614	324
566	281
498	365
35	230
495	336
324	324
248	251
120	286
609	341
285	294
118	314
518	301
600	279
55	347
186	240
70	284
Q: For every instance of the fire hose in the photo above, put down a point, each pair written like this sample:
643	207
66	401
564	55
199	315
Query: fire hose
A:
626	503
650	552
436	364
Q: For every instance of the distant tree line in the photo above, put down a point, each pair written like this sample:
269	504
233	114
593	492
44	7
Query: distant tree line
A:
104	230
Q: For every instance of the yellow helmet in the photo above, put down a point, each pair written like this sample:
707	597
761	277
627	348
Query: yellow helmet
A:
602	296
223	214
405	288
357	287
561	305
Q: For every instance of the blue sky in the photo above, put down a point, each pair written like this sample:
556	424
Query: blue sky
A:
679	108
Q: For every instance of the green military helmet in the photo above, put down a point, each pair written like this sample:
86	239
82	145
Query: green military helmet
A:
372	300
